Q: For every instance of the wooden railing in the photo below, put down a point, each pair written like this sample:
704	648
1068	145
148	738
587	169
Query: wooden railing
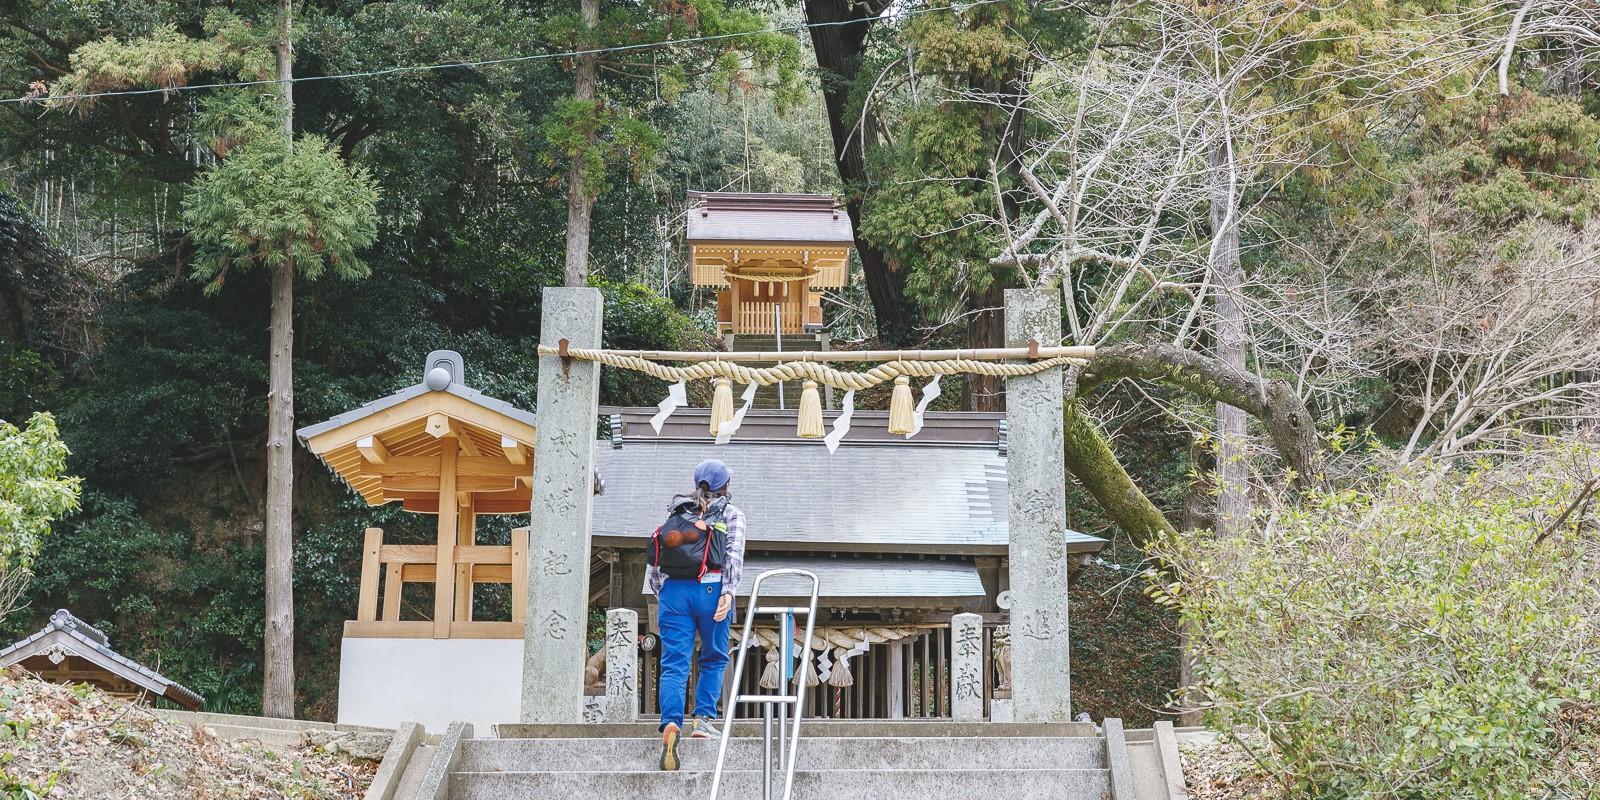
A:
758	318
399	564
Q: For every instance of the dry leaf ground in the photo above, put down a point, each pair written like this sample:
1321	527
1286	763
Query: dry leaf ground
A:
78	743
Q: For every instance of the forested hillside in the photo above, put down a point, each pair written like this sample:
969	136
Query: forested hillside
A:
1315	244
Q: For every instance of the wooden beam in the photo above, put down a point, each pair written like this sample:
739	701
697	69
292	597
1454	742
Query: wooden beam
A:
519	573
372	449
465	539
480	466
481	573
444	582
483	505
469	448
428	483
393	583
367	599
515	452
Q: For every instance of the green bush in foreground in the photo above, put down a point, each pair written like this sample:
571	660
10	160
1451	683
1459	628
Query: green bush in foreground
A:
1420	639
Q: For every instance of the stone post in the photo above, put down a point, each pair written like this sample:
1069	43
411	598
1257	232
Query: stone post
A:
966	667
1036	484
622	665
563	497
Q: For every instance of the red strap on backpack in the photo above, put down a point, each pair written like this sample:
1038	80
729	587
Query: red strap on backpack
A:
706	552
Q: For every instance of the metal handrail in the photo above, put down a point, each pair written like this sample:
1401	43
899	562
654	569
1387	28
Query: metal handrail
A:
797	699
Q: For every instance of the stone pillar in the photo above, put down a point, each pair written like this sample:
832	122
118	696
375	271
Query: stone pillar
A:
966	667
622	665
1036	483
563	496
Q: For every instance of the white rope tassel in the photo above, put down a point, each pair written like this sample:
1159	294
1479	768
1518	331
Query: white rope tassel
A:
731	427
841	425
929	394
676	398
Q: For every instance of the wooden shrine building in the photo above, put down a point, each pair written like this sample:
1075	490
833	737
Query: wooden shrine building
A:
768	256
903	533
443	449
69	650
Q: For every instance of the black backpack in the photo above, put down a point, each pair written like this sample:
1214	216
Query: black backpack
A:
690	544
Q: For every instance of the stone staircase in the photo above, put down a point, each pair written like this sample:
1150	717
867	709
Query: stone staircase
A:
767	396
859	760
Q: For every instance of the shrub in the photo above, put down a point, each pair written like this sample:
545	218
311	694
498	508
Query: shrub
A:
1417	639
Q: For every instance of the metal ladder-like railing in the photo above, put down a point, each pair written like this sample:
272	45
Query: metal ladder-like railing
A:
783	700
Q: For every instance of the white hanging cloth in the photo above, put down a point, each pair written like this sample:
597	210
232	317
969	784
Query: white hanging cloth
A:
841	425
729	428
929	394
676	398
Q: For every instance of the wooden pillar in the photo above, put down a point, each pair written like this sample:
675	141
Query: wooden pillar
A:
897	680
466	534
444	574
371	553
519	573
392	584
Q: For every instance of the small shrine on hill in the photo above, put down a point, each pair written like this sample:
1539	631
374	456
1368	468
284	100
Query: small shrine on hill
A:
69	650
443	449
768	256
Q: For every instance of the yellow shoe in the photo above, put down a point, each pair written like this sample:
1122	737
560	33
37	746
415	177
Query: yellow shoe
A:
669	748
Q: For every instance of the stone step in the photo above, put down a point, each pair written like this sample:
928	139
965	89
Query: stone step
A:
873	753
765	344
863	784
810	728
411	780
212	719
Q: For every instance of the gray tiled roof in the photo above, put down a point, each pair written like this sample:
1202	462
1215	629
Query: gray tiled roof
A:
731	216
446	358
81	639
797	496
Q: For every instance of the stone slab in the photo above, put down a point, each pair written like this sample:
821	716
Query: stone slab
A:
811	727
622	665
1117	761
1036	501
435	783
387	780
633	754
1039	784
563	502
966	667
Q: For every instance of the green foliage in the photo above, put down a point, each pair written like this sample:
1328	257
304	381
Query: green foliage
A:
1506	160
267	204
33	490
168	58
1415	639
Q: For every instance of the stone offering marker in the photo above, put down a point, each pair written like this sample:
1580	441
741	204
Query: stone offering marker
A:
622	665
1036	481
966	666
563	501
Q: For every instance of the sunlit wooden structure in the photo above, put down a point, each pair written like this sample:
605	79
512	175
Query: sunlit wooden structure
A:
769	257
444	449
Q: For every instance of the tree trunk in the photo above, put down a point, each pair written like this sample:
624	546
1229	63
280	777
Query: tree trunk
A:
839	50
986	327
1095	466
277	691
1233	501
580	201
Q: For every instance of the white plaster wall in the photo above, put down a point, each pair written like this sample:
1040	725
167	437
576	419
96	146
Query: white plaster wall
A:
384	682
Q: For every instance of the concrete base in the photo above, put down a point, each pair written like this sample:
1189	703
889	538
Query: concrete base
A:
433	682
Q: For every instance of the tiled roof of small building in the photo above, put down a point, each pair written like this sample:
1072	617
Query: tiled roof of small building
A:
918	496
68	635
742	217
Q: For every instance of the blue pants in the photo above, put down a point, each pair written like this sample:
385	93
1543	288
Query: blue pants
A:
686	609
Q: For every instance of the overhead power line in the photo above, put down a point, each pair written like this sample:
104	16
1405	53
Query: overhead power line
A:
493	61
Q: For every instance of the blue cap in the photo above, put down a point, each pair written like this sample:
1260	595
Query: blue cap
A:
712	473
